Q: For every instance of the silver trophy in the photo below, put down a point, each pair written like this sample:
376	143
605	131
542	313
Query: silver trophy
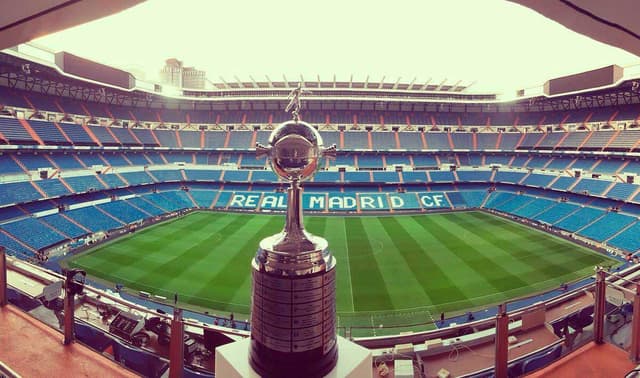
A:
293	315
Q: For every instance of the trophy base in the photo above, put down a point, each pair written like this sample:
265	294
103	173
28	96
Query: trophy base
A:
311	364
354	361
293	312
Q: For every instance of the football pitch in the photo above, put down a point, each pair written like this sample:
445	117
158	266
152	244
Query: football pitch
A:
391	270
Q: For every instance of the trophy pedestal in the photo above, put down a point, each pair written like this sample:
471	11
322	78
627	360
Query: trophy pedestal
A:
354	361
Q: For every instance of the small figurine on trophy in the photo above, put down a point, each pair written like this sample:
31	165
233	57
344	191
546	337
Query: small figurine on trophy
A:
295	102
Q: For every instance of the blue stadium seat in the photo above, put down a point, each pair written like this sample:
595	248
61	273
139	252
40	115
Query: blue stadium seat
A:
563	183
622	191
441	176
356	140
137	178
23	229
360	176
18	192
534	208
92	337
327	176
236	176
538	180
66	161
138	360
166	175
411	141
93	219
81	184
579	219
510	177
607	226
52	187
240	139
202	175
542	360
145	206
386	177
13	131
123	211
474	176
592	186
383	140
370	161
414	177
60	223
48	132
437	141
556	213
204	198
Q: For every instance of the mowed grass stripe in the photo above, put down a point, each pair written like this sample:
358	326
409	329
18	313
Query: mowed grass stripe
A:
458	272
333	229
224	285
369	290
403	286
496	275
521	258
151	269
411	265
183	260
130	251
547	254
192	281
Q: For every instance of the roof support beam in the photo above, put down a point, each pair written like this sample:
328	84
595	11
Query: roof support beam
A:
269	81
411	83
426	84
255	84
226	85
454	86
395	86
441	84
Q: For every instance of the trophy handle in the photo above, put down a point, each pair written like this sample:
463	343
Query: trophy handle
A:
330	151
262	150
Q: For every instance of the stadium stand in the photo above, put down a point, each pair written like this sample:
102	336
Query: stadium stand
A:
65	226
148	171
627	239
93	219
607	226
18	192
580	219
23	229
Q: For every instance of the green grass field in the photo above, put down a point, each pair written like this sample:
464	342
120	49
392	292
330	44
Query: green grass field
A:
392	270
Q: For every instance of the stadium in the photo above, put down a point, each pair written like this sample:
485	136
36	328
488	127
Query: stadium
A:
458	218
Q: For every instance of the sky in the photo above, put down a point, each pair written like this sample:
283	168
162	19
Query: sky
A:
499	45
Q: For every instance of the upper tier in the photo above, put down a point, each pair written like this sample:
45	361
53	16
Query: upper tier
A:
249	115
37	132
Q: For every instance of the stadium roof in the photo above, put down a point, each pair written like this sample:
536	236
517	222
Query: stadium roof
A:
502	45
615	24
37	18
